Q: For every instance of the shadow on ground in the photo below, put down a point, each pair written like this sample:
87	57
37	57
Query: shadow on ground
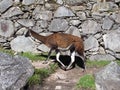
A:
65	59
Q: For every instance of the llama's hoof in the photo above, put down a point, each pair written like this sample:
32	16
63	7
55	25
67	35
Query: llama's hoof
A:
63	67
68	68
83	70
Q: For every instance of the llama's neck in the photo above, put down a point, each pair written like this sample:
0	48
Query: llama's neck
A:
37	36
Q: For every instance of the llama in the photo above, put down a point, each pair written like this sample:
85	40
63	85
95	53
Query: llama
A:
61	41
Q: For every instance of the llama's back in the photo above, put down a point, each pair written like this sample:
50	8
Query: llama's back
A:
64	40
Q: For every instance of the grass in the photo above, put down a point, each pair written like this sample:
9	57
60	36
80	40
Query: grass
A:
96	64
86	82
30	55
40	74
7	51
33	56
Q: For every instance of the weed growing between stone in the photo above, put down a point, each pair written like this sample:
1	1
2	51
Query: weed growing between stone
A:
86	82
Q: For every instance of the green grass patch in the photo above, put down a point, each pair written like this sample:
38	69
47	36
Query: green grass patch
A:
8	51
40	74
118	62
86	82
30	55
96	64
33	56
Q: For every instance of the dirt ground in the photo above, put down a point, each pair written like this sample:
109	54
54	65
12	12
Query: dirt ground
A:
63	80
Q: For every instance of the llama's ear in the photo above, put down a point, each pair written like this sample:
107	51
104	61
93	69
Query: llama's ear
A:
27	34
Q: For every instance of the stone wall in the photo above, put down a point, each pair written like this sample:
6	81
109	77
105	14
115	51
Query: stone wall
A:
98	20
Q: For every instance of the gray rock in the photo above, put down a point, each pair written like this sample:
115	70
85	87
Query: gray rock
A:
40	2
99	57
101	50
2	40
98	35
74	31
5	4
15	71
59	1
117	56
58	25
26	22
63	12
81	15
74	2
103	7
21	31
13	11
36	10
91	44
51	6
108	78
28	2
78	8
43	48
90	27
6	28
42	23
22	44
75	22
112	41
37	29
44	15
116	16
107	23
17	1
113	6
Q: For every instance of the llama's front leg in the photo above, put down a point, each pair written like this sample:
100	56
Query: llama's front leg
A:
57	58
72	60
49	53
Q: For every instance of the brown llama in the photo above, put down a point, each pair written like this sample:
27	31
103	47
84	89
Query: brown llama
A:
62	41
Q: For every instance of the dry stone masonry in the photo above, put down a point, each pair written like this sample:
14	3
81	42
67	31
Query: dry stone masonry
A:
97	20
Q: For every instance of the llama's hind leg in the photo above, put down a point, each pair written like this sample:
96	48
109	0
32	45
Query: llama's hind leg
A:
72	60
57	58
84	66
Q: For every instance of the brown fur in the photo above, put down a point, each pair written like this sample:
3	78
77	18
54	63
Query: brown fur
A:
61	40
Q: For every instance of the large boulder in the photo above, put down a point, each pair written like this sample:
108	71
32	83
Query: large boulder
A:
5	4
116	16
14	71
91	44
28	2
13	11
90	26
99	57
107	23
58	25
112	41
6	28
26	22
23	44
63	12
108	78
74	31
